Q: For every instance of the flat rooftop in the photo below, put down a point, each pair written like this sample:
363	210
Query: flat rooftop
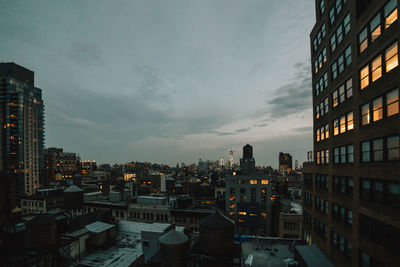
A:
268	251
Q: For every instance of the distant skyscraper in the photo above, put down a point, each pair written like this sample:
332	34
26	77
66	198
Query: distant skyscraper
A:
231	159
285	163
21	108
296	164
221	162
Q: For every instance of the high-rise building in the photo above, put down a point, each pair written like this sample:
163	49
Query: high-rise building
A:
248	197
285	163
231	159
59	164
352	189
21	107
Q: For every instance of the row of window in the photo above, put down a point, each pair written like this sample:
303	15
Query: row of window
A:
335	10
321	84
322	157
321	205
321	181
323	133
345	91
379	232
343	124
381	149
342	215
318	38
322	108
342	244
343	61
374	69
343	185
343	154
374	28
342	30
320	60
380	191
383	106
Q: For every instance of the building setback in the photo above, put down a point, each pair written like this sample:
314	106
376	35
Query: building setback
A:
352	189
21	109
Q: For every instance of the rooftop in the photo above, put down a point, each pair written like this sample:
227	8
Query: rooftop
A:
313	257
268	251
98	227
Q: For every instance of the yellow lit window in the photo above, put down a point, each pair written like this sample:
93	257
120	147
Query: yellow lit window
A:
364	77
241	220
253	214
390	13
263	214
392	102
375	26
363	40
232	206
342	124
232	198
350	124
376	68
231	213
253	181
318	134
391	57
336	127
241	213
264	181
377	113
327	131
365	116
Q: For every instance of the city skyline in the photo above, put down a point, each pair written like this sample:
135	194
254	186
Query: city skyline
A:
173	103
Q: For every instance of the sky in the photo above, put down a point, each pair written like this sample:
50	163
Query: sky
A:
168	81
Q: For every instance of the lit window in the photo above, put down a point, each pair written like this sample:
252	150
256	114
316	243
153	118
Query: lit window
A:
326	105
350	124
377	113
318	157
342	124
392	103
322	133
327	131
363	39
376	68
264	181
336	127
390	13
364	77
391	57
365	116
393	148
253	181
241	213
324	55
375	27
335	98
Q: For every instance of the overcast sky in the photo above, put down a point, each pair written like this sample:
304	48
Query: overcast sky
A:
167	81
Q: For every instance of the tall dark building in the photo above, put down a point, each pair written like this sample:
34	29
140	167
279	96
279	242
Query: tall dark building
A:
21	109
352	189
247	163
59	164
285	163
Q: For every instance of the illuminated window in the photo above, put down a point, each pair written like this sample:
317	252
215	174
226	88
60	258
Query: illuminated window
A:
241	213
335	98
336	127
253	181
392	103
253	214
264	181
350	124
241	220
364	77
376	68
363	40
391	58
342	124
327	131
318	157
377	110
375	27
365	115
390	13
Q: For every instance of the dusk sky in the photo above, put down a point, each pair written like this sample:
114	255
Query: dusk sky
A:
167	81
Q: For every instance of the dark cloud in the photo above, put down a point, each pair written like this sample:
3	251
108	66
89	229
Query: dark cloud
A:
292	97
